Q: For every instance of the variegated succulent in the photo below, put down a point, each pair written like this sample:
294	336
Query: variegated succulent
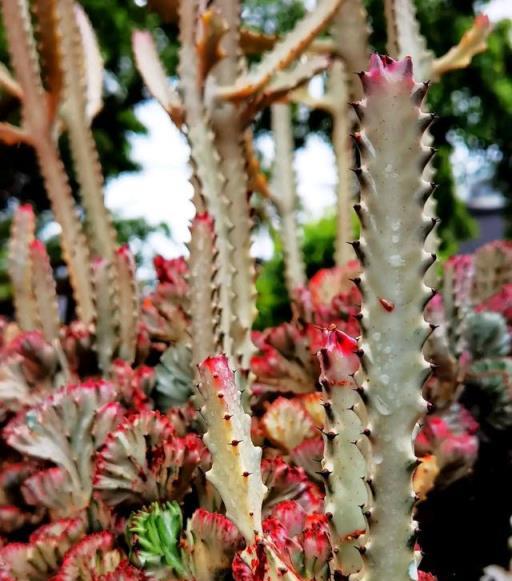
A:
159	437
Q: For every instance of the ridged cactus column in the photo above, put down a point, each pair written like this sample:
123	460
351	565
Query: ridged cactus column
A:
391	249
344	465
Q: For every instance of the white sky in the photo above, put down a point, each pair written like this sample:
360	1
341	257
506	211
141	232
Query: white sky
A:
161	192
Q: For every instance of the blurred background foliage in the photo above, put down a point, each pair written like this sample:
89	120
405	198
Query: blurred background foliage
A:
474	105
475	110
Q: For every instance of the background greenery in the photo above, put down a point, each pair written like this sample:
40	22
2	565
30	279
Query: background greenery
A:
474	105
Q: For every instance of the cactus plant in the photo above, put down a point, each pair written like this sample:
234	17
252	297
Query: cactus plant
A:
158	436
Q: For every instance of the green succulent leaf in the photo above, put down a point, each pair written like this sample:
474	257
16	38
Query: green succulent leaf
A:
153	535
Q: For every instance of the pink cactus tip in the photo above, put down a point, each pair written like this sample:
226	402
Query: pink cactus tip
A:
27	208
38	247
384	69
124	251
482	21
218	368
204	218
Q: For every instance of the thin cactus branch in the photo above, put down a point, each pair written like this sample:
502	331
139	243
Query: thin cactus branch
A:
37	124
285	197
83	148
472	42
106	322
9	83
12	135
283	53
127	303
338	97
203	292
19	265
48	49
152	71
93	64
344	465
45	292
350	32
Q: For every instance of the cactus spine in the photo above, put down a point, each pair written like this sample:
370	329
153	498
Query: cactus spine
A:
393	232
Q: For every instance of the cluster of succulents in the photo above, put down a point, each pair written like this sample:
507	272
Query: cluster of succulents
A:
106	476
159	437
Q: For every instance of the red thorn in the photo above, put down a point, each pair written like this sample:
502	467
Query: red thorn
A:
389	306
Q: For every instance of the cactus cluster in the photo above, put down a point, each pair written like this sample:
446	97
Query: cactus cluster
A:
159	437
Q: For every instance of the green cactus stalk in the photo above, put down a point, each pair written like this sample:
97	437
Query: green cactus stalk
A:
203	300
19	266
236	470
83	148
229	129
344	466
393	232
45	292
37	125
350	32
206	162
285	196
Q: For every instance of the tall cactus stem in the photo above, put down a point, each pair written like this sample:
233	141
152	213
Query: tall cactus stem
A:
203	291
36	122
344	465
83	148
127	303
205	159
45	292
19	266
344	158
229	129
391	249
106	323
350	33
285	196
